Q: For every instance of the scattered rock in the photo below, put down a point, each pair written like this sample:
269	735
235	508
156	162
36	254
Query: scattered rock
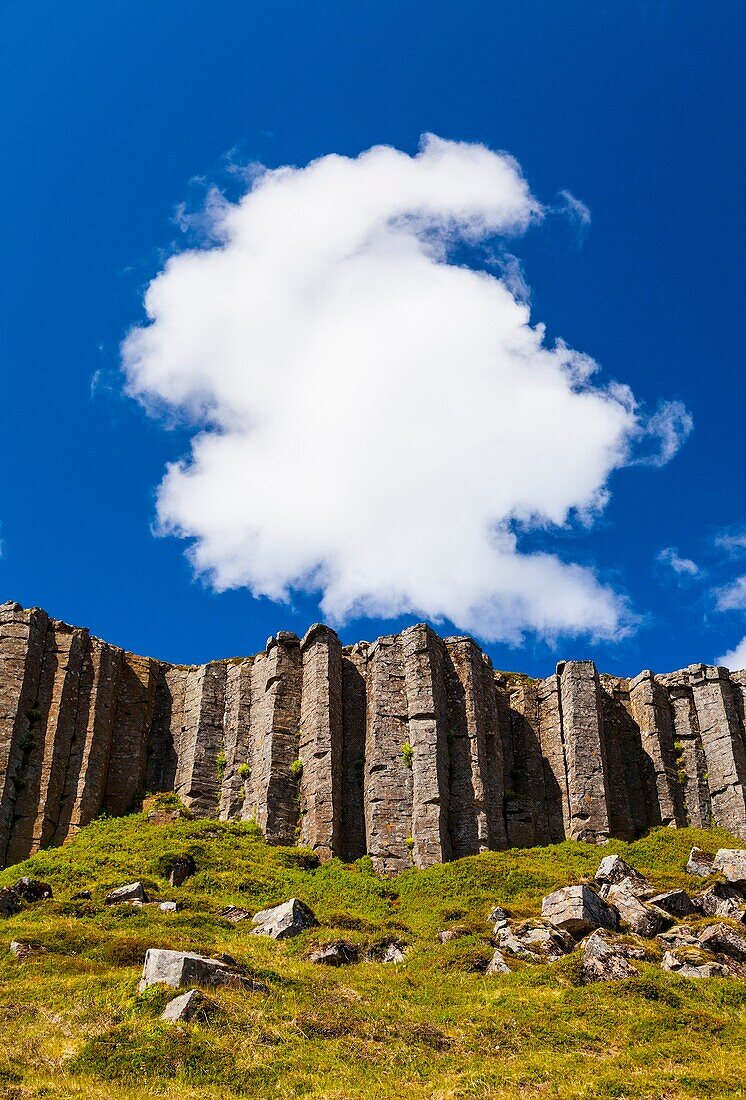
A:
681	935
133	894
497	964
535	941
696	967
676	903
10	903
639	917
234	913
731	862
168	906
31	890
722	939
604	960
181	968
340	953
159	813
449	934
721	900
187	1006
498	918
82	895
700	863
614	870
578	910
23	951
392	953
283	921
180	869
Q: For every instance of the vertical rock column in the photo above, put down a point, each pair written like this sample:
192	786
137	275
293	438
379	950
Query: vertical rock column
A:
423	655
476	765
581	724
22	642
525	793
320	748
201	749
237	741
88	764
275	722
354	705
722	742
133	716
388	779
689	757
43	778
652	712
553	751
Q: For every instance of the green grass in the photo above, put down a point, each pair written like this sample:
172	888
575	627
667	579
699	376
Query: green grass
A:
73	1025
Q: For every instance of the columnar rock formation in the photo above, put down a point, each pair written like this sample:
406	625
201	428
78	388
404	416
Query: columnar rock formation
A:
412	750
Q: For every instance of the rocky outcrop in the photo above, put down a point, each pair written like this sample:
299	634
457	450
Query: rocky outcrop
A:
412	749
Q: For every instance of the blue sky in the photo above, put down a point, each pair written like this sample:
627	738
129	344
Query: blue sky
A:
116	114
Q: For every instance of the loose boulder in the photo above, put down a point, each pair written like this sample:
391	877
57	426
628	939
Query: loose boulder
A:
578	910
676	903
10	903
283	921
699	863
497	964
614	870
498	918
340	953
691	965
723	939
534	941
168	906
235	914
604	960
181	968
187	1006
24	951
179	869
731	862
681	935
131	894
31	890
722	900
641	919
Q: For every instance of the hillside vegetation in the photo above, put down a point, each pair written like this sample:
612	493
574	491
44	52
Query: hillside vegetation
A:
74	1026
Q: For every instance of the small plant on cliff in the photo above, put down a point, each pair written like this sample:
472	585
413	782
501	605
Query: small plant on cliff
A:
220	762
296	769
244	771
407	754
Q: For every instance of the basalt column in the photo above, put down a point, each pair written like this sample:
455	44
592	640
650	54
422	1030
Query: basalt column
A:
133	716
22	642
553	752
581	723
354	706
526	818
476	763
275	721
423	656
651	710
237	741
388	763
689	755
722	740
320	748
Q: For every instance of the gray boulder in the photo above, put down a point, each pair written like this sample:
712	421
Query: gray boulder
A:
700	863
731	862
681	935
283	921
131	894
31	890
723	939
692	967
10	903
641	919
578	910
187	1006
446	935
335	954
722	900
181	968
614	870
168	906
498	918
534	941
604	960
497	964
235	914
180	869
676	903
23	951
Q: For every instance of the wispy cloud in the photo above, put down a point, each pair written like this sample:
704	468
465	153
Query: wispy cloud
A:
670	558
732	597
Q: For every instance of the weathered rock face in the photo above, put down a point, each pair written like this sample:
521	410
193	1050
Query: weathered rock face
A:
412	750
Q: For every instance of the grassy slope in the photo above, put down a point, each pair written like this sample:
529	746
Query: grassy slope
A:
72	1024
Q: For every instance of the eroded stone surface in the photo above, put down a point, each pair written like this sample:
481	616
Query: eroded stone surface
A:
182	968
283	921
577	910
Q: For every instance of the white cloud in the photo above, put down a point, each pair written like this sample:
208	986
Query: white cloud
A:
733	542
734	659
666	431
575	208
683	567
732	597
379	424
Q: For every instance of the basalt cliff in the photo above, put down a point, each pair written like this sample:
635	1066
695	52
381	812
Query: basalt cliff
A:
412	749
